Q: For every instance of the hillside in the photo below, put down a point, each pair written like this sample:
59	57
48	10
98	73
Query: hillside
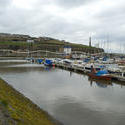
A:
19	42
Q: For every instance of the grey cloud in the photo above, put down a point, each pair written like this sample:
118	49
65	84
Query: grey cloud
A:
4	3
111	23
115	13
39	21
73	3
68	4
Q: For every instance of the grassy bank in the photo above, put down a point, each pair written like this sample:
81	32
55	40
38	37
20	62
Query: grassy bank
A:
51	45
15	109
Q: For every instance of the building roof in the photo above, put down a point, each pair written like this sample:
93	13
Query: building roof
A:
67	46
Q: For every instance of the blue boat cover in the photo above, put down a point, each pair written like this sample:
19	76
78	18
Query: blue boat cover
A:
49	62
101	72
86	60
39	60
105	58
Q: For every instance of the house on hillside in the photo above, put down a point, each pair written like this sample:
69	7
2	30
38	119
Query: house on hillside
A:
67	50
30	41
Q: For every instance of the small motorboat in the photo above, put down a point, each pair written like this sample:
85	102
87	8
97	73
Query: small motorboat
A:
48	62
102	74
98	67
39	61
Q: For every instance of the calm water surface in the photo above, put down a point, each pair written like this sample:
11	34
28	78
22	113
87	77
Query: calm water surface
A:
69	97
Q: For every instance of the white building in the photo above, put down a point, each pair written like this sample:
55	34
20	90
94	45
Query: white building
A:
30	41
67	50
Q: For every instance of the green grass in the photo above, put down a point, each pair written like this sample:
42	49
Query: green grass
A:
21	109
4	103
52	43
14	43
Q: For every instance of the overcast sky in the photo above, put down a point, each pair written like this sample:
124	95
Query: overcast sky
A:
71	20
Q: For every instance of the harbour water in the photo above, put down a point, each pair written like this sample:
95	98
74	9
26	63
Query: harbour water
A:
69	97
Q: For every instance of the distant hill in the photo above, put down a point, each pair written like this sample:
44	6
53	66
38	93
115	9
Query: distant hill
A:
19	42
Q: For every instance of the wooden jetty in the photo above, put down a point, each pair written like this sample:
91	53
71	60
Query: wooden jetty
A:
118	77
72	68
84	71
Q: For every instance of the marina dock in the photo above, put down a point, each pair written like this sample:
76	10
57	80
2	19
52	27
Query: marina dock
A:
86	72
117	77
81	68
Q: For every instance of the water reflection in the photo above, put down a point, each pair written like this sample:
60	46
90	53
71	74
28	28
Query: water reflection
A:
70	73
72	98
49	68
100	83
